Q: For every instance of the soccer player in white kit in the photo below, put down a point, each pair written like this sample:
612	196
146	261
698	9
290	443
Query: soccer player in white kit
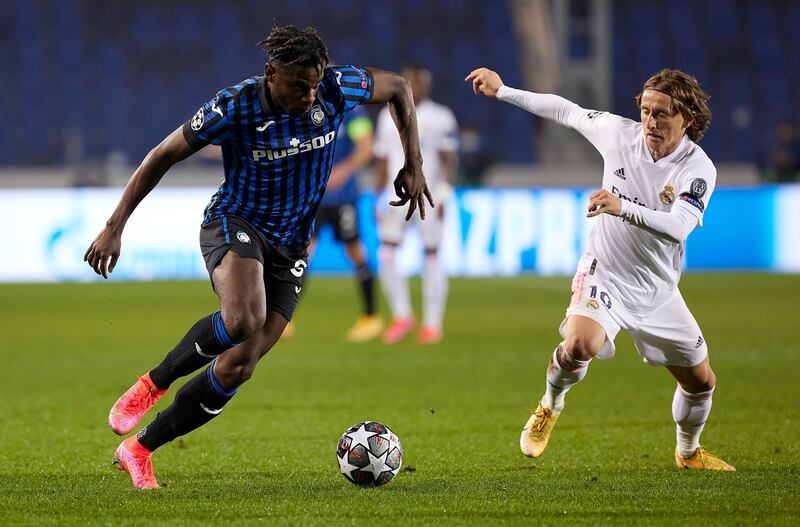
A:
438	132
656	186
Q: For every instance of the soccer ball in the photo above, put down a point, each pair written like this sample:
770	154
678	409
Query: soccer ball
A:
369	454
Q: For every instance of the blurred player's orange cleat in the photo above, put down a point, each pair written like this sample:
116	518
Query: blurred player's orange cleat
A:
134	459
367	327
131	407
429	335
399	328
537	430
288	331
702	459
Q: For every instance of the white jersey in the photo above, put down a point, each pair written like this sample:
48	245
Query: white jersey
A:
644	266
438	132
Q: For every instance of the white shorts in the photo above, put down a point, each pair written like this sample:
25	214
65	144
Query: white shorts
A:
392	225
667	335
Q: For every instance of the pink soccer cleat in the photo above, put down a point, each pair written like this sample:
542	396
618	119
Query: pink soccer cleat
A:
429	335
131	407
398	329
134	459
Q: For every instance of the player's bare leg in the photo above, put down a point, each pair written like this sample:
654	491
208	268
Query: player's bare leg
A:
691	406
241	312
236	366
239	285
583	340
369	325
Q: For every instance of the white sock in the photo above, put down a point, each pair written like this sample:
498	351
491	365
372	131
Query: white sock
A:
563	373
395	284
434	291
690	411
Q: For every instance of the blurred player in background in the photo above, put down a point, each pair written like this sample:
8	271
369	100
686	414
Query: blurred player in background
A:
339	209
438	138
657	183
277	133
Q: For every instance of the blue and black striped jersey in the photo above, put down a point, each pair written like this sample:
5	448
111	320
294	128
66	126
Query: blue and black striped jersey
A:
276	165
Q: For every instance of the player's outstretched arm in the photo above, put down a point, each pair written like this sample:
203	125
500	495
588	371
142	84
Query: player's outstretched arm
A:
104	251
409	185
593	125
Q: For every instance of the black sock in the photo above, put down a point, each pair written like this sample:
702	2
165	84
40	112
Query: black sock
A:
366	280
196	403
207	339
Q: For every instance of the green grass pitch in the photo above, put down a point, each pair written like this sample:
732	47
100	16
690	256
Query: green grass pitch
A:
68	351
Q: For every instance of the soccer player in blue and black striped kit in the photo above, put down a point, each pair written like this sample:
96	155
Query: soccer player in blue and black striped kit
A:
277	133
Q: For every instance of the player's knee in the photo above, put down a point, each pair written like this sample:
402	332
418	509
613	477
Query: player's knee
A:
701	385
244	372
581	348
236	373
702	380
710	383
243	322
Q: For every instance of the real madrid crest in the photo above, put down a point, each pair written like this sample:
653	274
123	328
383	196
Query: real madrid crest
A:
667	195
317	115
593	304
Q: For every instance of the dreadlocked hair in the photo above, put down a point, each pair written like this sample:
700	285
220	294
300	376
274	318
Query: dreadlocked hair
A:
292	46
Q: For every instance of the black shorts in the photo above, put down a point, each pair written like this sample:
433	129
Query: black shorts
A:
284	267
343	218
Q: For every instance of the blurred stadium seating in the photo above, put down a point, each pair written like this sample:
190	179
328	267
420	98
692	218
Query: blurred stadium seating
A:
98	79
115	76
746	54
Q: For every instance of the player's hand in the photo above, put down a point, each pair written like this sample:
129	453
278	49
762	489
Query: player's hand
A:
103	253
485	81
603	202
411	187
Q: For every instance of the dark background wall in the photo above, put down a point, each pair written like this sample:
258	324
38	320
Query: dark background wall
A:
82	80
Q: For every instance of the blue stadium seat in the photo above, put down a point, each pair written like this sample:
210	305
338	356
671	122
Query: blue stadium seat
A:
721	22
762	26
737	121
148	59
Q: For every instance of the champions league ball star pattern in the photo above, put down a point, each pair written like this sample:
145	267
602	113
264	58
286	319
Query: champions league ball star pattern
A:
369	454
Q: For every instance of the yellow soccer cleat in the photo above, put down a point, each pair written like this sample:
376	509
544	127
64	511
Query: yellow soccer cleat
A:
288	331
367	327
537	431
702	459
